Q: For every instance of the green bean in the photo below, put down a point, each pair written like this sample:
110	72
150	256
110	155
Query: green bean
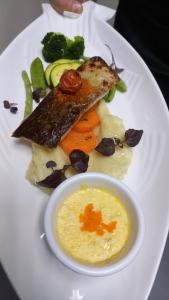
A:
37	74
28	91
109	97
121	86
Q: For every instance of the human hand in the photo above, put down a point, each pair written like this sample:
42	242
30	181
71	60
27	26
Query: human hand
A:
74	6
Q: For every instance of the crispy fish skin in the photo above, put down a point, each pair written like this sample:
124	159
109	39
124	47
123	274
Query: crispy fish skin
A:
58	112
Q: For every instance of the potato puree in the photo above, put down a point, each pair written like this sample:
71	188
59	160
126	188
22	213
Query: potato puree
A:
115	165
79	234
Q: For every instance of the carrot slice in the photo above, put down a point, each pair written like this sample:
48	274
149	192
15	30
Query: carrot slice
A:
85	141
88	122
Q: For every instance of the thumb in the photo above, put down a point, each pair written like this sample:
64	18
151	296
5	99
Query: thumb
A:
68	5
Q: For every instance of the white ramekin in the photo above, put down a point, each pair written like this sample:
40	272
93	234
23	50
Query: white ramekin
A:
130	201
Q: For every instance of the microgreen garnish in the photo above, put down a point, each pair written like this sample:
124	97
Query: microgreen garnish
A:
38	94
13	109
79	160
6	104
11	106
120	85
51	164
113	64
107	146
53	180
133	137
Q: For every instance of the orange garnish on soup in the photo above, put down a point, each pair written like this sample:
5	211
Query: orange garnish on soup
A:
92	221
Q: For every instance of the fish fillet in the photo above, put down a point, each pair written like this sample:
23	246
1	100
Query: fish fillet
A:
58	112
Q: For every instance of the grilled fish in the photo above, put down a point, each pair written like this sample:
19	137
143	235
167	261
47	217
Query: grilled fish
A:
58	111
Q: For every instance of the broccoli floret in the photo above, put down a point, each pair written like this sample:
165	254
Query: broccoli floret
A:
74	49
47	37
57	46
51	54
54	46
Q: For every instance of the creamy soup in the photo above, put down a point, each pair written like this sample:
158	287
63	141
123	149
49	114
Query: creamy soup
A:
92	225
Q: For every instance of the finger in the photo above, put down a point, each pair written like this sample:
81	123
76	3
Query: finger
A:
68	5
74	6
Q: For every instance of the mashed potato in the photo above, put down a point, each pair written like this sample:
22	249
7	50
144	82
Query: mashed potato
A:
115	165
86	244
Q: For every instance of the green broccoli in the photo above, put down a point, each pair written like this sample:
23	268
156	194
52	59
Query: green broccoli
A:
75	48
54	46
47	37
57	46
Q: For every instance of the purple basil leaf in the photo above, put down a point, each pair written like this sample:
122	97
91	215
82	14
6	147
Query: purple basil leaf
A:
9	105
13	109
38	94
106	147
6	104
53	180
80	166
113	64
133	137
79	160
77	154
51	164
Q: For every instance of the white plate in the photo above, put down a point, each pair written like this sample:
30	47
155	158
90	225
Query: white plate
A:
32	268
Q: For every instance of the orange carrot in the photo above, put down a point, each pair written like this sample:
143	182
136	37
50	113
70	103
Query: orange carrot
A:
85	141
88	122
